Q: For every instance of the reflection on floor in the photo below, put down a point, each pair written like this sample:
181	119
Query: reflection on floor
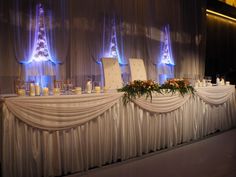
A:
214	156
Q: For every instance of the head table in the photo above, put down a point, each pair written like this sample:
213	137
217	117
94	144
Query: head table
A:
57	135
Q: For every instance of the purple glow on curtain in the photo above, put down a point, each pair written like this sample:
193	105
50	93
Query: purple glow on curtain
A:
113	49
33	28
40	51
41	64
166	51
25	29
166	64
57	31
114	45
23	32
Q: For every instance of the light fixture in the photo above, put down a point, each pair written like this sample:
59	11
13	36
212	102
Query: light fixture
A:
220	15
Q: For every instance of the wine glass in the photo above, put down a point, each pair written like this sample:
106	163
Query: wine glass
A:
69	86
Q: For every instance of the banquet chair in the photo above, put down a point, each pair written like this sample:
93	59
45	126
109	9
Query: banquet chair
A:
111	73
137	69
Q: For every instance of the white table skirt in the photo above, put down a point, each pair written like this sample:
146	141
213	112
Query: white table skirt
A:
52	146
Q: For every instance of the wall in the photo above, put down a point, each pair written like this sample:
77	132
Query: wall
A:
220	48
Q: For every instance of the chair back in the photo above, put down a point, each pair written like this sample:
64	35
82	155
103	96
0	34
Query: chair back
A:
137	69
111	73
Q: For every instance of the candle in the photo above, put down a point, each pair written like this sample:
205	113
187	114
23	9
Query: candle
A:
200	84
105	89
203	83
56	91
45	91
89	87
97	89
37	90
78	90
32	90
222	82
218	81
21	92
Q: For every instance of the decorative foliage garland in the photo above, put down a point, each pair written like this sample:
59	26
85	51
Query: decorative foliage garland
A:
140	88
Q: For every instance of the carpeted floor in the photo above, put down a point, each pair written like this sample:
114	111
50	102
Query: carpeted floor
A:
214	156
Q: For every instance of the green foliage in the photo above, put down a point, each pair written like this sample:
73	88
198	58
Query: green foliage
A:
181	85
140	88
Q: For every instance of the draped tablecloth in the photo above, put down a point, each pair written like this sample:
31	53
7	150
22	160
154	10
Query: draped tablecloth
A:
55	135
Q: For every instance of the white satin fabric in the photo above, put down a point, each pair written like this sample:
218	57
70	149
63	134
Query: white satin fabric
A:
60	112
162	103
33	148
215	95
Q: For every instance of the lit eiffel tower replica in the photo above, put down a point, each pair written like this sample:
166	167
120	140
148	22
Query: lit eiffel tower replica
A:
40	51
41	66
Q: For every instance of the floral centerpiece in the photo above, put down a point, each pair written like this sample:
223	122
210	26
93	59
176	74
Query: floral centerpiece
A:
140	88
181	85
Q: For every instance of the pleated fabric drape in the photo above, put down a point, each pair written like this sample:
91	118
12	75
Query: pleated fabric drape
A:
50	136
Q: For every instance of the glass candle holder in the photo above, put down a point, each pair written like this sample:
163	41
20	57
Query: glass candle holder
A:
97	89
21	92
56	91
78	90
45	91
